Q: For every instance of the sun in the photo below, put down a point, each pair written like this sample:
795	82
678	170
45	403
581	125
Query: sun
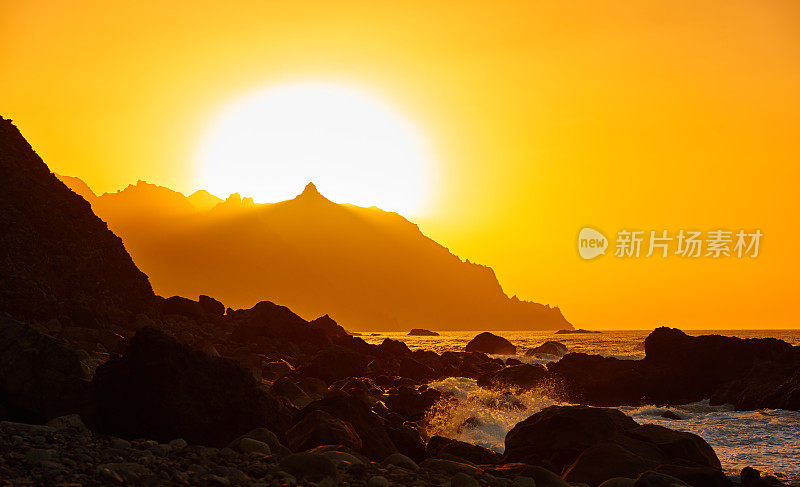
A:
353	146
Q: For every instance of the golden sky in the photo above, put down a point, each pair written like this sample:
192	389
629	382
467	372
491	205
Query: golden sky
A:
544	117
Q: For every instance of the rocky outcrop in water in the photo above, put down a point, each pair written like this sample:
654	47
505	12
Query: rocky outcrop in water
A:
490	343
557	349
422	332
679	369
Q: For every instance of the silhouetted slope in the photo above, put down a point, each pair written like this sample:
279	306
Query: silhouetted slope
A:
368	268
57	259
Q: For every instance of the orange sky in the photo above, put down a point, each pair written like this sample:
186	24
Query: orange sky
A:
544	117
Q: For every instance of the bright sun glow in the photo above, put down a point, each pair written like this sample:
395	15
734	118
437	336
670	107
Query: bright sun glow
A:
354	147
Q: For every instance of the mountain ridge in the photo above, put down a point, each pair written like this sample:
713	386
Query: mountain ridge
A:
369	268
58	260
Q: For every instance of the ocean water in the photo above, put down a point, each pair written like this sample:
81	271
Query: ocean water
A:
768	439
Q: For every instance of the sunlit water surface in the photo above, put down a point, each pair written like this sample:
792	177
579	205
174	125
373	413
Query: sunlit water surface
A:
766	439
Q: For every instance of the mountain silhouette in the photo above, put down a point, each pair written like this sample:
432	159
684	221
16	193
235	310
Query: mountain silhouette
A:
57	259
369	269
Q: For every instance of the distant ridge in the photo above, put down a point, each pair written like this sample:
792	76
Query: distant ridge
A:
370	269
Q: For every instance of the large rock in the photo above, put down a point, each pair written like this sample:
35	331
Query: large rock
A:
40	378
600	381
441	446
319	428
679	369
773	385
335	363
489	343
211	306
408	441
162	389
58	259
411	404
375	441
591	445
557	349
683	368
268	322
178	305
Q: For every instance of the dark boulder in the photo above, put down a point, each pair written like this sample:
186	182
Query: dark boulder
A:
162	389
598	380
772	385
393	348
375	441
329	327
557	349
211	306
410	404
522	377
319	428
682	368
267	322
591	445
40	378
408	441
286	388
441	446
178	305
752	478
334	363
679	369
489	343
418	371
310	467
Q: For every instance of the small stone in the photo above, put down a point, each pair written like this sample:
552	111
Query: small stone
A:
463	480
377	481
160	450
309	465
400	460
249	445
70	421
671	415
120	443
228	453
521	481
178	444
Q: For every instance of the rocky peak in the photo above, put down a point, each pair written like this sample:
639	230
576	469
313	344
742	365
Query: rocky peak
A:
61	261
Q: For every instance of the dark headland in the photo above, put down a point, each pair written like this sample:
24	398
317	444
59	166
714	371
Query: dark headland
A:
103	382
422	332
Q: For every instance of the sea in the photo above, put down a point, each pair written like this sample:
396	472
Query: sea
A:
766	439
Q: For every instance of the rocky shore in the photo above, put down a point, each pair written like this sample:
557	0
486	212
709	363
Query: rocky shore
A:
102	382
